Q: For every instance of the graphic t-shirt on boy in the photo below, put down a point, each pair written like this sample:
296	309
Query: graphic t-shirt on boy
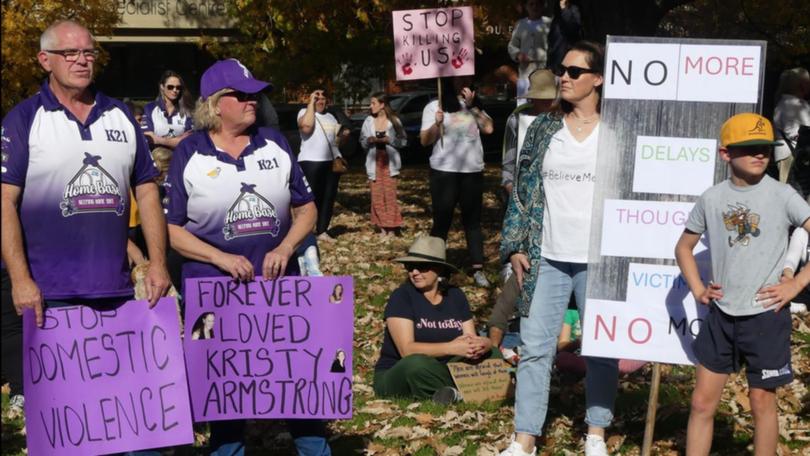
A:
431	323
747	230
460	149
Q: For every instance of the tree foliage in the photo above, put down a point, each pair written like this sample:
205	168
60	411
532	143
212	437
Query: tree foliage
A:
23	21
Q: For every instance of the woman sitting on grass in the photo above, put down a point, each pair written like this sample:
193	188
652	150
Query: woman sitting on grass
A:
427	324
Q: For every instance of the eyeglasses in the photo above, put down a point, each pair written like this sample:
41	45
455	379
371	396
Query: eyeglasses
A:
573	71
72	55
421	267
174	87
241	96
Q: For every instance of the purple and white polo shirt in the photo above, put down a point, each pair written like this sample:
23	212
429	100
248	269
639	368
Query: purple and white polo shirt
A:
75	179
157	120
240	206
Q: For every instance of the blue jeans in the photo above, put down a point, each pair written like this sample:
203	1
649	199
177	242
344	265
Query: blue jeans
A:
539	332
309	436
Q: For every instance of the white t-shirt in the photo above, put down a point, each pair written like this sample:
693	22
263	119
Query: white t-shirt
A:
462	151
315	147
569	174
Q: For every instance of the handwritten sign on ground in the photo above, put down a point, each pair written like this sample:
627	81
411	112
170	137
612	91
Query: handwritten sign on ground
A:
105	381
431	43
269	349
484	381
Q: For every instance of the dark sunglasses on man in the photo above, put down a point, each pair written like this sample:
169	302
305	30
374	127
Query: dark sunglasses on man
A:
574	72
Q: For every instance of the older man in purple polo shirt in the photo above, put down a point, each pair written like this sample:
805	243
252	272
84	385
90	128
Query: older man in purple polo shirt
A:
69	158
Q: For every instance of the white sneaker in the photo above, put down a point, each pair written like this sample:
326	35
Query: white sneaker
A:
17	404
595	446
798	307
516	449
481	279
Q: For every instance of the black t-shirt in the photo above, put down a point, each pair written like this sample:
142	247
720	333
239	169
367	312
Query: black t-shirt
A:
431	323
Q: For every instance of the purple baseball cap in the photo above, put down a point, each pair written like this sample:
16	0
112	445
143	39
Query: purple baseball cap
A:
231	74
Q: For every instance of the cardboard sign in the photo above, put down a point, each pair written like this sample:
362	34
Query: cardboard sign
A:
431	43
269	349
485	381
109	381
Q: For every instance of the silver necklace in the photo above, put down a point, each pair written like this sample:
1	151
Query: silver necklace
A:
583	122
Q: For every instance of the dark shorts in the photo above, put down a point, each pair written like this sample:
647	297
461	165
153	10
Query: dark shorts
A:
761	342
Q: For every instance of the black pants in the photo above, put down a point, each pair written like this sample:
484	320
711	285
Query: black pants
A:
324	185
465	189
11	325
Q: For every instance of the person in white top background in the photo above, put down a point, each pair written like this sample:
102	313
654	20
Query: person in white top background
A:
321	135
167	120
457	164
529	44
792	110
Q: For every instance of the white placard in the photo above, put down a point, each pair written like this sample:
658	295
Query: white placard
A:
524	121
658	322
676	166
683	72
728	74
643	229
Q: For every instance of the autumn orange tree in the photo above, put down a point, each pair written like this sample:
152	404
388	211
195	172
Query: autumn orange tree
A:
23	22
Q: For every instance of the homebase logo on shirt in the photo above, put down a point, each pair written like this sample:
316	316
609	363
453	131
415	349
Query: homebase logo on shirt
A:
250	214
92	189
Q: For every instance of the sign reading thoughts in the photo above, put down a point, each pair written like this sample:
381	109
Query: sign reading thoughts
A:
108	381
430	43
269	349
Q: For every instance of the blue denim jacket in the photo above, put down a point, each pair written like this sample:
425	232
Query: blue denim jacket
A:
523	224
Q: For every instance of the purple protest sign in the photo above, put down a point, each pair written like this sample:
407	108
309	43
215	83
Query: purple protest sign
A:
105	381
270	349
431	43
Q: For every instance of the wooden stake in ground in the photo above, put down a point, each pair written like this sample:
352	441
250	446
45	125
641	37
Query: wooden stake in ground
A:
441	125
652	408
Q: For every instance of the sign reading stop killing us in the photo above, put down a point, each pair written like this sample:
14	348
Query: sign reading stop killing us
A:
431	43
105	381
269	349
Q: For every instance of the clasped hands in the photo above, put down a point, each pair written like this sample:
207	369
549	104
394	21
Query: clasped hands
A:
470	346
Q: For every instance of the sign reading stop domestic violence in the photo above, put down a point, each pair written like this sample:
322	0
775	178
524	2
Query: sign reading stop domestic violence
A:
270	349
108	381
431	43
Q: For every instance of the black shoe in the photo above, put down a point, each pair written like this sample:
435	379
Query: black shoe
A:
446	395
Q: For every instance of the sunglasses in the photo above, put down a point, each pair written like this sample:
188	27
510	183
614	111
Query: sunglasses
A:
574	72
242	96
174	87
421	267
72	55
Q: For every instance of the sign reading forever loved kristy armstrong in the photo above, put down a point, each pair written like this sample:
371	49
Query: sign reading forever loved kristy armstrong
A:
270	349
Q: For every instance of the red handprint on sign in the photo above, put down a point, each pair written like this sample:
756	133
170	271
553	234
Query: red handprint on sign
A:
406	63
459	59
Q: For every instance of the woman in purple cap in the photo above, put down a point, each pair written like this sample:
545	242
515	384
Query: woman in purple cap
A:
238	206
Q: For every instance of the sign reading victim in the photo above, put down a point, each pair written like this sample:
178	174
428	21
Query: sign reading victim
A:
269	349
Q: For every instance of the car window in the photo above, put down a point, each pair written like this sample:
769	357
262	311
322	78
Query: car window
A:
415	104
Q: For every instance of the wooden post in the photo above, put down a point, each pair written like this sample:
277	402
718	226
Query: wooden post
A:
441	125
652	408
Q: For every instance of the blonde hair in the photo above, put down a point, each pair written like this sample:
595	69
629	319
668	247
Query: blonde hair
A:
205	114
162	156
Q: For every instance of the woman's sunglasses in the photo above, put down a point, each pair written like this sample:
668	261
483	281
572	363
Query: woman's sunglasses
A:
241	96
574	72
174	87
421	267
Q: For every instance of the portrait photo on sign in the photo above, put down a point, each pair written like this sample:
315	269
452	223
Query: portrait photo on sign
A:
339	363
204	327
337	294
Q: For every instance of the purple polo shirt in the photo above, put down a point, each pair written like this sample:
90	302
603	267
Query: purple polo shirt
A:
157	120
75	179
240	206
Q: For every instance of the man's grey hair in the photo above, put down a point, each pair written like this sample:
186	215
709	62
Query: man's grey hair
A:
49	39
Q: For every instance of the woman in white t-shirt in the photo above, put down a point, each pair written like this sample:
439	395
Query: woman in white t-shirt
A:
546	235
457	164
321	135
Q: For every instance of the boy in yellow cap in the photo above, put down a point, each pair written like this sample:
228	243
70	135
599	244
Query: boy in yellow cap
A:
746	218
